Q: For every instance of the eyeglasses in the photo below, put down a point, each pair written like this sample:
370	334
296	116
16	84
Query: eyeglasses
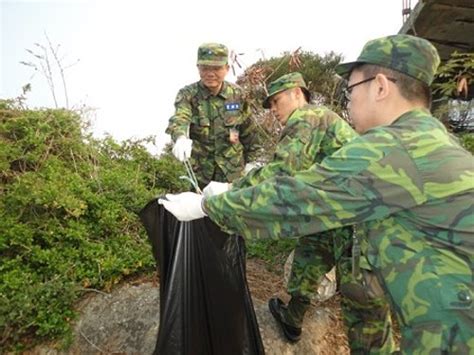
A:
348	90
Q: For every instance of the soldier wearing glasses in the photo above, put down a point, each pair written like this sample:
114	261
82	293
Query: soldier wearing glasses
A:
212	125
406	180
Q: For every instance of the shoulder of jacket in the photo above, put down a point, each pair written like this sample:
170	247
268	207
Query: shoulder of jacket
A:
190	89
234	88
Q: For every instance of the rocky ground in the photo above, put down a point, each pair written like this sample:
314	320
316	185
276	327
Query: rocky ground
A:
126	320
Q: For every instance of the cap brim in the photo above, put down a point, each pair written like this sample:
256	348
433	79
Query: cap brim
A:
212	63
266	102
345	69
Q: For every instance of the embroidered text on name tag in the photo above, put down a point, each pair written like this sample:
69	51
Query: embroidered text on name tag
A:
232	106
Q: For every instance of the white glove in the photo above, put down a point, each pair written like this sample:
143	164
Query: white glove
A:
216	188
250	166
182	148
185	206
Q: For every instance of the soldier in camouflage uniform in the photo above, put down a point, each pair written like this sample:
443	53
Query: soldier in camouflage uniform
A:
406	179
213	118
310	134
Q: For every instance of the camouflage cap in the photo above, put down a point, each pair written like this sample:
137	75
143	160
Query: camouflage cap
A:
285	82
212	54
413	56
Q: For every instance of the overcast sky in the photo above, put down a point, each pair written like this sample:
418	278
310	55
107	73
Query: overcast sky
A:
135	55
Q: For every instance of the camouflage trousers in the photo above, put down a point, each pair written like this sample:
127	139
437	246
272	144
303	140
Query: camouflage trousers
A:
367	319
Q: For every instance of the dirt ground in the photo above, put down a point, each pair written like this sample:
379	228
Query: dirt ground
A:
264	284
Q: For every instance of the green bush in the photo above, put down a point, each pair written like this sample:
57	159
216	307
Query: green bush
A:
273	251
467	140
68	217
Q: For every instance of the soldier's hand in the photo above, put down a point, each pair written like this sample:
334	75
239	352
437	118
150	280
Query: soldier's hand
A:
182	148
216	188
185	206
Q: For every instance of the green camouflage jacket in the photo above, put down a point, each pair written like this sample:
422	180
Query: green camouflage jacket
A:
411	185
210	121
310	134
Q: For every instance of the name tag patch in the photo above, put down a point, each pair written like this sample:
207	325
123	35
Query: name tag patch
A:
232	106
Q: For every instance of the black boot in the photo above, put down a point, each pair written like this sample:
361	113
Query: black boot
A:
296	309
278	310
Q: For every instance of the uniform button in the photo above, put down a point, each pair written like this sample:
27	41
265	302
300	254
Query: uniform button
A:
464	296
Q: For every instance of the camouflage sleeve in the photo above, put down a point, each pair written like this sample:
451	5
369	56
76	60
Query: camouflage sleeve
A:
306	140
294	151
179	123
249	136
368	179
338	134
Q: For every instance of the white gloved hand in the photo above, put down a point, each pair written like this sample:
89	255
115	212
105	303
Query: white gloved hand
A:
216	188
182	148
185	206
250	166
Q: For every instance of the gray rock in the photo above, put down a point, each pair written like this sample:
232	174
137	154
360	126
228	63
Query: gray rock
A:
125	321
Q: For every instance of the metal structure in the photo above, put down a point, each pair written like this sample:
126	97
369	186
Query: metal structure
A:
406	10
448	24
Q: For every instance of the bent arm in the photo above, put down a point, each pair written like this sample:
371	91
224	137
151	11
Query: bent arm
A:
367	179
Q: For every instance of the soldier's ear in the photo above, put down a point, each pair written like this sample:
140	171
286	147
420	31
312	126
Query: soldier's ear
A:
382	86
299	93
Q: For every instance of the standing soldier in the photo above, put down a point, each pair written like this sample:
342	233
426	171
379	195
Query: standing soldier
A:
406	179
310	134
212	125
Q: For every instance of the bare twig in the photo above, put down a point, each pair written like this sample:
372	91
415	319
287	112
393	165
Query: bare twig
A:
60	67
47	72
293	57
43	64
91	343
74	161
93	290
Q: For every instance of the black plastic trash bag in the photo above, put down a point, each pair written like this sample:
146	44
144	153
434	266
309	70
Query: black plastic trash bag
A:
205	304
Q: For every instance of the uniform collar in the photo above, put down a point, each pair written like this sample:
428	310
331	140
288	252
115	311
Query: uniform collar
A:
409	114
294	115
206	93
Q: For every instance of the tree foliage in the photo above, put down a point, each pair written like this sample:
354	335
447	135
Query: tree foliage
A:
453	89
68	216
455	77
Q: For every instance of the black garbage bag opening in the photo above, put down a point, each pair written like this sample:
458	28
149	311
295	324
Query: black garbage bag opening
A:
205	304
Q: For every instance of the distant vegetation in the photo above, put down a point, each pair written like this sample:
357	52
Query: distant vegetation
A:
453	91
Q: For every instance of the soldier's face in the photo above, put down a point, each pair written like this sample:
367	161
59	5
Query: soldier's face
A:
360	105
283	104
213	76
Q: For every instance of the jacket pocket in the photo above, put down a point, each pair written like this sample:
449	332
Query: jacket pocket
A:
200	129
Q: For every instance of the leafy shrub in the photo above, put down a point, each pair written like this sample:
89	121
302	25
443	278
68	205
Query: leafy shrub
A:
273	251
68	217
467	140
